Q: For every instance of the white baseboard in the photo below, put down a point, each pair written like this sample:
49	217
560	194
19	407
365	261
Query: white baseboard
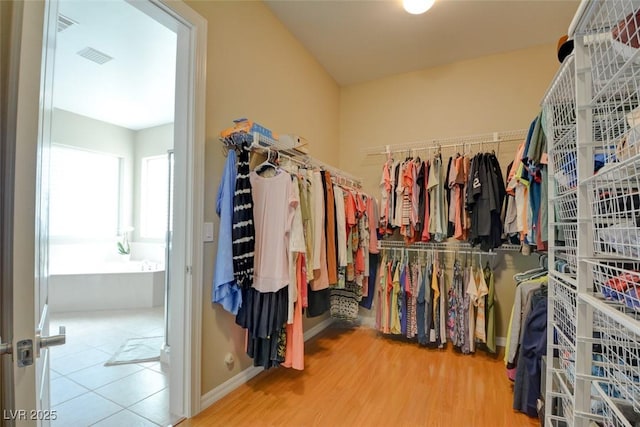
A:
318	328
368	322
237	380
228	386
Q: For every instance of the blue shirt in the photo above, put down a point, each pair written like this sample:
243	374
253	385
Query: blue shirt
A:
225	289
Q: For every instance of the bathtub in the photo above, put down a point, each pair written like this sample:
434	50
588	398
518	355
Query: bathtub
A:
106	286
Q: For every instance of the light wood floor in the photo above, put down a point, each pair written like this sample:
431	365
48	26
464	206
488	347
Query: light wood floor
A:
356	377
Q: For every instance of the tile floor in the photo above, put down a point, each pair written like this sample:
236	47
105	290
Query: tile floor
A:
84	392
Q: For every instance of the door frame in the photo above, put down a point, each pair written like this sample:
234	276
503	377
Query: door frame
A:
26	68
10	15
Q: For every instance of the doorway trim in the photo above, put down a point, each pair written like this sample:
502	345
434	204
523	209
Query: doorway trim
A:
194	81
30	43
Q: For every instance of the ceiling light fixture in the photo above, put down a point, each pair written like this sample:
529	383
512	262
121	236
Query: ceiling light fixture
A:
416	7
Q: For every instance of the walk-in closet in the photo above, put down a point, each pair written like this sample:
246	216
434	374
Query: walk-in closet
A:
387	213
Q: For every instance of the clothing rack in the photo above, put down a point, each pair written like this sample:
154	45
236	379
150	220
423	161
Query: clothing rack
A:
441	247
455	142
263	144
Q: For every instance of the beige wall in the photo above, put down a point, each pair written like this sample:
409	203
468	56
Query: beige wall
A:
255	69
489	94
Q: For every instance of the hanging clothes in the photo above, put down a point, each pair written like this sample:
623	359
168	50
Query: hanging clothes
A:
533	347
481	302
294	352
491	316
289	234
385	195
437	207
330	229
472	295
485	198
225	290
243	231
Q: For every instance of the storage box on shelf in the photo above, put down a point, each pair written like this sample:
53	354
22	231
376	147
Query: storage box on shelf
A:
614	198
618	283
615	413
616	353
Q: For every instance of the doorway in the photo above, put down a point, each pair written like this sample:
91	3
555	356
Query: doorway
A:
31	309
112	128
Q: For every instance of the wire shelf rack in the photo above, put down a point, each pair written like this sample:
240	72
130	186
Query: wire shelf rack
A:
608	407
614	198
262	144
616	356
562	415
568	255
619	284
564	313
570	234
611	34
566	206
450	247
611	31
559	107
598	170
564	159
613	411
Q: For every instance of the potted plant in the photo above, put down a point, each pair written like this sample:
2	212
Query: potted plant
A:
124	248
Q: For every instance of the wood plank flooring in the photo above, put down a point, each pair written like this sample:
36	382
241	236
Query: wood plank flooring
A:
356	377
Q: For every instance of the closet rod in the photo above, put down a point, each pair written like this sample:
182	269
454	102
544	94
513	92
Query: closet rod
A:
261	143
449	251
454	247
432	247
337	176
490	138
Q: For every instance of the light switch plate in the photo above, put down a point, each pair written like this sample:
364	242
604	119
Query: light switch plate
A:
208	232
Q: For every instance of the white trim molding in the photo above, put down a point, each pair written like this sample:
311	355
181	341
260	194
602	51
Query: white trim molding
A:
237	380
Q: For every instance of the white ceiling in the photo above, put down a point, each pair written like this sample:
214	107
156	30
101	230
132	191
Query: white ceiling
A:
136	89
357	41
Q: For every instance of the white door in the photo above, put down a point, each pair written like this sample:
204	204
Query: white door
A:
30	318
32	68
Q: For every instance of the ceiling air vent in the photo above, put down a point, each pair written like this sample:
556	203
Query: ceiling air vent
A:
94	55
65	22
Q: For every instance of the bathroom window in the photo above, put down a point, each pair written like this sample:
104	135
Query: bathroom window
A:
84	193
154	197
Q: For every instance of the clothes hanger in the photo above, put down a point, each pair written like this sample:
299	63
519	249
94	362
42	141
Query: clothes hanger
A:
529	274
268	163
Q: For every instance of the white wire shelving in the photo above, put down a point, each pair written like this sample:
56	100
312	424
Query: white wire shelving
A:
461	143
595	372
263	144
446	247
559	123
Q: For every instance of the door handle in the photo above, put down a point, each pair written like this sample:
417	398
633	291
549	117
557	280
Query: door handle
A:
5	348
53	340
